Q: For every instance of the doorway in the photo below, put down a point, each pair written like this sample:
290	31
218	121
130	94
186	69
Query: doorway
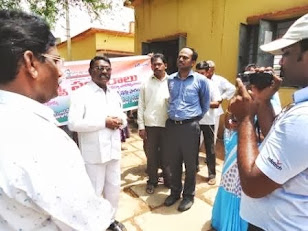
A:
169	48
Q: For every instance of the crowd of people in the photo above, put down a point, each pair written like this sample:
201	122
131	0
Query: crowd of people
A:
265	173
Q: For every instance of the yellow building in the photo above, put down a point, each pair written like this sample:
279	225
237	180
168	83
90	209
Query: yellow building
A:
228	32
96	41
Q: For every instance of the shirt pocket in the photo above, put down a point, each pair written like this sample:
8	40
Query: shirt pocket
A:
190	96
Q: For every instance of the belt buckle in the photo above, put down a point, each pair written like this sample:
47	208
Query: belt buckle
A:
178	122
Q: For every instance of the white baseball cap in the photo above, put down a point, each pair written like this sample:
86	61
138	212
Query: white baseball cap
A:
297	32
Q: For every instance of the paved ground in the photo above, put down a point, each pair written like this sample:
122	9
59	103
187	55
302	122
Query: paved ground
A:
140	211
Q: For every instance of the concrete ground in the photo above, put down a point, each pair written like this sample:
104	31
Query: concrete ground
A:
140	211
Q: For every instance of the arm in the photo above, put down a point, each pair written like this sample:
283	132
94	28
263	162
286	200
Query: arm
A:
140	112
204	95
253	181
79	120
214	104
215	95
266	113
228	89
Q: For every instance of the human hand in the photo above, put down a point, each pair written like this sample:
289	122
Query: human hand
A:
143	134
265	94
113	122
242	104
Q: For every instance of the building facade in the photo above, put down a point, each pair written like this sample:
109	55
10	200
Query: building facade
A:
226	31
95	41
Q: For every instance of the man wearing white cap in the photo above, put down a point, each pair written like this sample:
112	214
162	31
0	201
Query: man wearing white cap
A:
226	90
274	178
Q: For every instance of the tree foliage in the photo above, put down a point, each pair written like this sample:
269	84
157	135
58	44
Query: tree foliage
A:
51	10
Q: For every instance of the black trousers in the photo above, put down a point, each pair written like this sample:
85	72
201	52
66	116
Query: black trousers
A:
208	134
156	152
183	147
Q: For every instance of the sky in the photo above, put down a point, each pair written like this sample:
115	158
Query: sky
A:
117	18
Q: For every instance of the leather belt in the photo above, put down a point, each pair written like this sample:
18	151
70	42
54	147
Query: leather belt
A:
182	121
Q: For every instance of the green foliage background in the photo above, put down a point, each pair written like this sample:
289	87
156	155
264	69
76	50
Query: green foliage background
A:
51	10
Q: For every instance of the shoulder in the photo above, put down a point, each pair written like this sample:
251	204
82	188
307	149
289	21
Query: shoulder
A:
219	78
201	79
147	80
82	89
172	76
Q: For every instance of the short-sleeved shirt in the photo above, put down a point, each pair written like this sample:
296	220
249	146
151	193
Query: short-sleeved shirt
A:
283	158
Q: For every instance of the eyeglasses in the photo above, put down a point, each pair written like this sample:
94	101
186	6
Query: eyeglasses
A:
57	59
102	68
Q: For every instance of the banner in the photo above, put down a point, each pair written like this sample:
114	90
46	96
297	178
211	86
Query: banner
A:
127	75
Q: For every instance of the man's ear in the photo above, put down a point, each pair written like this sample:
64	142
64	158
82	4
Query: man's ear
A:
30	62
193	63
90	71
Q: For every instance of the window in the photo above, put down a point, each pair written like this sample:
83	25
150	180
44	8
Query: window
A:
252	36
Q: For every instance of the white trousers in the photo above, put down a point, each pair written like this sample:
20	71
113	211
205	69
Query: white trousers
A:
106	180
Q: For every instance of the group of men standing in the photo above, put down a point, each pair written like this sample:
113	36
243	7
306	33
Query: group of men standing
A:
43	179
169	112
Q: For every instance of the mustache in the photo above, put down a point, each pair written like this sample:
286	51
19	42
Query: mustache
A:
104	76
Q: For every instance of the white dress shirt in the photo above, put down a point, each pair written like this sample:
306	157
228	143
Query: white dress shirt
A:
210	116
226	89
153	103
43	181
89	107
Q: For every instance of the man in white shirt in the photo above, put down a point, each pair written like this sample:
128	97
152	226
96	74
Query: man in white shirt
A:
207	124
152	116
274	177
43	181
96	114
226	90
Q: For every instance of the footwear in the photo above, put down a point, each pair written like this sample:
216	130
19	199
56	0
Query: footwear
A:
116	226
123	148
186	204
212	181
170	200
150	189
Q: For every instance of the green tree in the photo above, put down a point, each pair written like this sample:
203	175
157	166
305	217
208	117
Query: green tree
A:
51	10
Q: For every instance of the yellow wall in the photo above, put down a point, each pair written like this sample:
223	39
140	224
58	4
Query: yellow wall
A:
113	42
82	49
86	47
212	27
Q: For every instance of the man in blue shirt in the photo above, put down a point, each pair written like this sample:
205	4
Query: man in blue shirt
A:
189	101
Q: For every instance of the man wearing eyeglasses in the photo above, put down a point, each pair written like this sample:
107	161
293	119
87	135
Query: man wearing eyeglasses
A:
43	182
96	115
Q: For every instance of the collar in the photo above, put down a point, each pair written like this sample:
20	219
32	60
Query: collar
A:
95	87
300	95
163	79
190	74
22	102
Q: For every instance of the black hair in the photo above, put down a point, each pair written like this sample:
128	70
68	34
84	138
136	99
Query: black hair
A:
194	56
203	65
250	65
20	32
304	45
158	56
99	57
